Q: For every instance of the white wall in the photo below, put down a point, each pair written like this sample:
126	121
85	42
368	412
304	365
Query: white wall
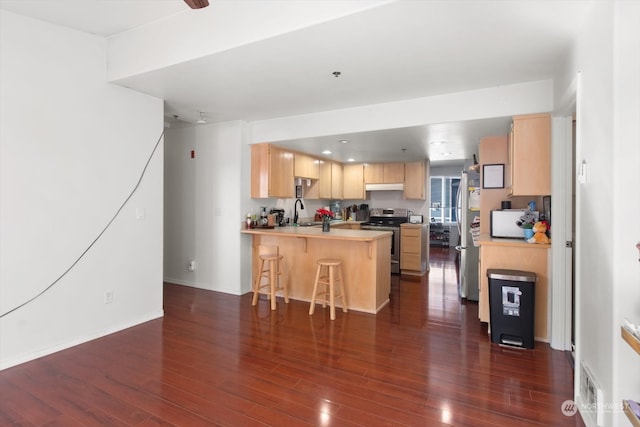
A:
626	196
206	199
72	147
607	275
455	170
221	26
501	101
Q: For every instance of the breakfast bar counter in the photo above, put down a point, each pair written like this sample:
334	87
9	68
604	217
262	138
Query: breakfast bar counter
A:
365	256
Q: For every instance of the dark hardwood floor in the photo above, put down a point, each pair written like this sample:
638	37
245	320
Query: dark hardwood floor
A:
424	360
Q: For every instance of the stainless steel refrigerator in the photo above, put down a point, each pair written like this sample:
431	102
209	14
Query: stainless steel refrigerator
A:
468	216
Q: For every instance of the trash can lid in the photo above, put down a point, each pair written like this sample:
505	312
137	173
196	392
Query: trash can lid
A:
514	275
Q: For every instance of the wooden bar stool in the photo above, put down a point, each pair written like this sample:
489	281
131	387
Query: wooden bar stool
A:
329	275
269	270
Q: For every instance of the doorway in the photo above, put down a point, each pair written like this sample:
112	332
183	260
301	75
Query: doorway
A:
564	328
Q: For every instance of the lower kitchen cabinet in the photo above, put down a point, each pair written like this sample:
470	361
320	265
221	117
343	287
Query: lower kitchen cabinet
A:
414	249
515	254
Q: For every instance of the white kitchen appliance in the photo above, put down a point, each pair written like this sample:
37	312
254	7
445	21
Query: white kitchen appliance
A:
469	251
504	223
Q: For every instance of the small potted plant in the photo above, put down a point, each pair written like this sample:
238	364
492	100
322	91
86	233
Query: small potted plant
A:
326	216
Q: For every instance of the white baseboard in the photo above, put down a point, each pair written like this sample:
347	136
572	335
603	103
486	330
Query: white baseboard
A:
202	286
23	358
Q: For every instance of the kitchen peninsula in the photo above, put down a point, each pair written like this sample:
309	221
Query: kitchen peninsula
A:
365	255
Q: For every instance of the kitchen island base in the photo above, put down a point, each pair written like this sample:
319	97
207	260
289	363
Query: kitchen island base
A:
365	256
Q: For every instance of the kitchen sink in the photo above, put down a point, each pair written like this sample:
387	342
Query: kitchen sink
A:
315	223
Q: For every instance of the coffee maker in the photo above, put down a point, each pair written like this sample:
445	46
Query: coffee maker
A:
279	213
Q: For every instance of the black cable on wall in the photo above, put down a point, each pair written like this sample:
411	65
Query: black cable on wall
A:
106	227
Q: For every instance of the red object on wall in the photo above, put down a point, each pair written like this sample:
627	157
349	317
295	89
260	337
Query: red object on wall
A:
193	154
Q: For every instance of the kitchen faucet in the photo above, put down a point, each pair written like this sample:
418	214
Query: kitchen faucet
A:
295	210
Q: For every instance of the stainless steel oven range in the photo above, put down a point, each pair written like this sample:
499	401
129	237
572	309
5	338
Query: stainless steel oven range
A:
388	219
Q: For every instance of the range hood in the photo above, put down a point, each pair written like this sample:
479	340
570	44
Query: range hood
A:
381	187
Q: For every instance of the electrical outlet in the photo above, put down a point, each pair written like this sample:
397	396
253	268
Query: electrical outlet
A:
108	297
191	266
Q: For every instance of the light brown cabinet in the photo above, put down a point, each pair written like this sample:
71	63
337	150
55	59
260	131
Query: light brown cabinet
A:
415	180
529	156
306	166
330	181
384	173
516	255
393	173
353	182
271	172
414	249
373	173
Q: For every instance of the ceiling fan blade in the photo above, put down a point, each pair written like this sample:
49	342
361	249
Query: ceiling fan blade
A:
197	4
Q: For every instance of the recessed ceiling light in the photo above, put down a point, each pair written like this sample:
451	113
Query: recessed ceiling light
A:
326	152
344	141
351	159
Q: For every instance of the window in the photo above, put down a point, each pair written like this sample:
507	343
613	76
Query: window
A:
444	192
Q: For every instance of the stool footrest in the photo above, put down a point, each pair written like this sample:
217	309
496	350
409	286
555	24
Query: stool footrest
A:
328	275
269	270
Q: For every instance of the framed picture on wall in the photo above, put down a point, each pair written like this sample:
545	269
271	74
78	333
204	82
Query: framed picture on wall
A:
493	176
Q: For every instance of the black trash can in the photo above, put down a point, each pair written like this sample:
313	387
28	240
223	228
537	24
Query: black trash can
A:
512	307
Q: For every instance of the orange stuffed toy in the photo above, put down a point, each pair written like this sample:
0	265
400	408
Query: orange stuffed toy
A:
539	233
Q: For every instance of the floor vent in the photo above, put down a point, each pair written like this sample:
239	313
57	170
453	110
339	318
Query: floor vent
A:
591	395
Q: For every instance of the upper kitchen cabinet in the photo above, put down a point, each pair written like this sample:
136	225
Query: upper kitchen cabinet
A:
271	172
330	182
415	180
353	182
384	173
529	156
337	184
306	166
373	173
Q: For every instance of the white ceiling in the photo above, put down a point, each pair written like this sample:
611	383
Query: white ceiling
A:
395	51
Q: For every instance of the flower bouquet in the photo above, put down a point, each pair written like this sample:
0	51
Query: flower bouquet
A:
326	216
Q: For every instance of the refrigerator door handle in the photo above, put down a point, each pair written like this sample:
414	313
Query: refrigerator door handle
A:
459	208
